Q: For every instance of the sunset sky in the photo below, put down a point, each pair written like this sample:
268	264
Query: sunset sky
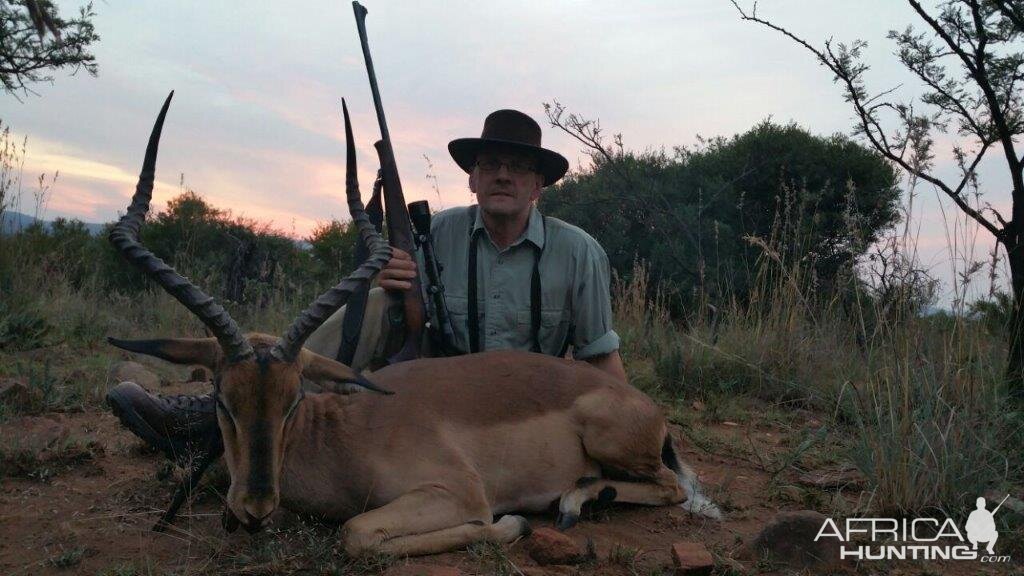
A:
255	126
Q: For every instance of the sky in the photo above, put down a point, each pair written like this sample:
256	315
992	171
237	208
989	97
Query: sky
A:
255	126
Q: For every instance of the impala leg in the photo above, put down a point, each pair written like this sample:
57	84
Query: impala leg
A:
661	490
428	520
505	530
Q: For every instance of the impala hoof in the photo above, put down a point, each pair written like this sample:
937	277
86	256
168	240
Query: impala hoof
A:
524	527
566	520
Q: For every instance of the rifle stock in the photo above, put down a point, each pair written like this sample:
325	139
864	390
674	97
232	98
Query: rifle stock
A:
396	213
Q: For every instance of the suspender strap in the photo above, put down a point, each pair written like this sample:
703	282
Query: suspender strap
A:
535	298
472	320
472	323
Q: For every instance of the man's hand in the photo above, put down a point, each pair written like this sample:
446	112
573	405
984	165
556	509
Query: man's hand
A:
398	272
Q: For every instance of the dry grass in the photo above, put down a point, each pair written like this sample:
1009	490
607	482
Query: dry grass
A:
918	405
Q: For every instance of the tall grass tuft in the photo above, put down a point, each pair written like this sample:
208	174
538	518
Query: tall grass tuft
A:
917	402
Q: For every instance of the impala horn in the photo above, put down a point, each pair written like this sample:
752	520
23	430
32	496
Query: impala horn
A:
288	346
125	238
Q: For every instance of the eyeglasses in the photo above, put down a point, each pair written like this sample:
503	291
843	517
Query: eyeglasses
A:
514	166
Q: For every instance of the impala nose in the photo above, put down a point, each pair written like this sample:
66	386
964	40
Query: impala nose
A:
257	513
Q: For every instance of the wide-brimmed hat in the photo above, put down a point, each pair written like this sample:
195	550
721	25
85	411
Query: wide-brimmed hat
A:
515	130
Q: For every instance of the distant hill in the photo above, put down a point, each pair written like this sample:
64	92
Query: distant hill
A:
14	221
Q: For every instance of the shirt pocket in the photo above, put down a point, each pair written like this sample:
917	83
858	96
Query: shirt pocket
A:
458	312
554	329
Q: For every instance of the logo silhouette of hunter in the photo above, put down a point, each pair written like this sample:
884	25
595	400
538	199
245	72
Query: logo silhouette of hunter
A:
981	525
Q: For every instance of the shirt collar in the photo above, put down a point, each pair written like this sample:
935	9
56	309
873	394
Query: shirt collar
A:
534	228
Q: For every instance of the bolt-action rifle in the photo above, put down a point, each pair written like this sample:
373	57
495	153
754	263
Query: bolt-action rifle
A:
400	231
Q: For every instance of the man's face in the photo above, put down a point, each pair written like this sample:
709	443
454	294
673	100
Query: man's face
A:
505	182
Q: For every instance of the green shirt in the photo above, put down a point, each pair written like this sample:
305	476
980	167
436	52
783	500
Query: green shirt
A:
574	277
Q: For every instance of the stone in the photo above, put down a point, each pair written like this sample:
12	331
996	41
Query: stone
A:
17	394
35	434
199	374
788	539
692	559
129	371
422	570
548	546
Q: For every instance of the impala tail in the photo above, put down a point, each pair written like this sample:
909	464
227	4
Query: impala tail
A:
696	501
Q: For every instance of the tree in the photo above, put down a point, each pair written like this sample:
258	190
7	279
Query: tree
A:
821	201
34	40
237	259
333	246
969	63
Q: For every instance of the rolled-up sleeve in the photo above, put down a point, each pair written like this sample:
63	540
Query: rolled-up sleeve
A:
592	306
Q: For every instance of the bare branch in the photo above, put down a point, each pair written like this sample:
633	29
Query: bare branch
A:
848	72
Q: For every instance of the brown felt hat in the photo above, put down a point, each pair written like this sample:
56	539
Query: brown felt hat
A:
515	130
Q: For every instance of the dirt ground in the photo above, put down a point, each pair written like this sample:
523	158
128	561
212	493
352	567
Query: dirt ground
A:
92	514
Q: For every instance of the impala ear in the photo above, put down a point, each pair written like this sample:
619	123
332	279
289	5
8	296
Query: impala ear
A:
320	368
191	351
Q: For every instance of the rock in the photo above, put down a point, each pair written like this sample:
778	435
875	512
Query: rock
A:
789	539
692	559
847	478
35	434
549	546
129	371
728	423
199	374
422	570
15	393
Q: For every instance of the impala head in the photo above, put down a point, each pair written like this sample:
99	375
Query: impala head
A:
257	378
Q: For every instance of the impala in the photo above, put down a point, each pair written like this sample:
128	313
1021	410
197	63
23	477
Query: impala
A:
444	446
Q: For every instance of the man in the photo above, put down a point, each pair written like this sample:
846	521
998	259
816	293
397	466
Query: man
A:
514	279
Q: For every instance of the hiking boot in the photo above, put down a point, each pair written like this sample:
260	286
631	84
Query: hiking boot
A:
179	426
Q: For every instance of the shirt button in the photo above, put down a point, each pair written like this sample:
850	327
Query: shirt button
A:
493	332
496	296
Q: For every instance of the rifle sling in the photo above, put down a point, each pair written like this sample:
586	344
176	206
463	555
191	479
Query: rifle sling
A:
352	324
355	308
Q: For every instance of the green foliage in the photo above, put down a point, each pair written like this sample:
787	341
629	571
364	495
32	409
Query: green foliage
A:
333	248
690	215
22	328
234	259
995	313
67	558
35	39
51	276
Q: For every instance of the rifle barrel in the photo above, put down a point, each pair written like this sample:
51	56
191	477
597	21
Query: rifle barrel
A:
361	12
